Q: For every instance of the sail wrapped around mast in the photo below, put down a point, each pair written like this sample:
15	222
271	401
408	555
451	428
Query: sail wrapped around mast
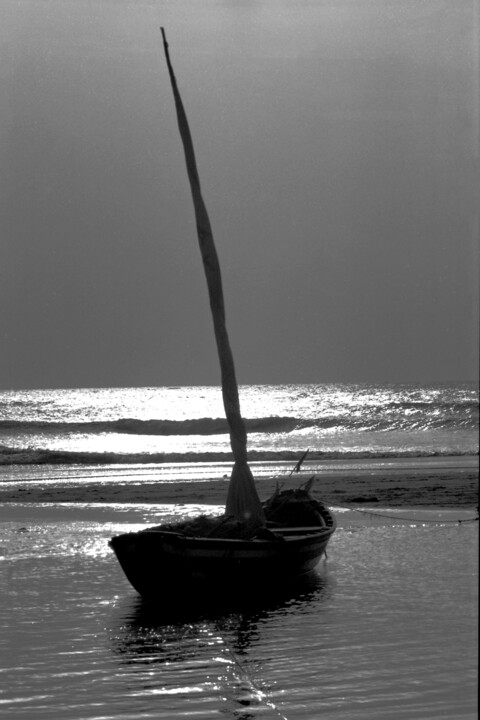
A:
243	502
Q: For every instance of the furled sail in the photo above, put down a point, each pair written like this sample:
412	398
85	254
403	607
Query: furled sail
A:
243	502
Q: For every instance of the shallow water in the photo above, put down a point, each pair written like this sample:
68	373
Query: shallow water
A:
388	628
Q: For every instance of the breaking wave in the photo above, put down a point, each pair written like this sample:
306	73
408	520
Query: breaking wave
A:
395	417
13	456
132	426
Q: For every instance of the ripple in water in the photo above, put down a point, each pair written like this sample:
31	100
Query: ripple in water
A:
387	630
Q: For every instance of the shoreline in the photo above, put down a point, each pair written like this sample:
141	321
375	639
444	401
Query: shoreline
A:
399	483
16	457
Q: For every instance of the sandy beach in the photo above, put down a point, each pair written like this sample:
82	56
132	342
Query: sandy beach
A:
428	484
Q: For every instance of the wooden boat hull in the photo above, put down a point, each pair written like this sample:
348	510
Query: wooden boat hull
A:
159	563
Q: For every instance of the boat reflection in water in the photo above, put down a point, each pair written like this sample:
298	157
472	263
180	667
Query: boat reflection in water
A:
213	606
215	652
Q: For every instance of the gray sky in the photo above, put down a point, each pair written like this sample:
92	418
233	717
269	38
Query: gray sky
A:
337	144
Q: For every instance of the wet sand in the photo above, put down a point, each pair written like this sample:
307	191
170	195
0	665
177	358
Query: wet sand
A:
399	487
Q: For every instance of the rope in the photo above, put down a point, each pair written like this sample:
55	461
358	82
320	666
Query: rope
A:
407	519
382	515
244	675
261	696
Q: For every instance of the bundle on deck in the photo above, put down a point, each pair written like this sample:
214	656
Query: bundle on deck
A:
290	508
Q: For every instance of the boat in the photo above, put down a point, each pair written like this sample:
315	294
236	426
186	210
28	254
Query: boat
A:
224	555
267	543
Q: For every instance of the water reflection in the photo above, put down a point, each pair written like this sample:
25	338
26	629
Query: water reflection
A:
180	652
216	604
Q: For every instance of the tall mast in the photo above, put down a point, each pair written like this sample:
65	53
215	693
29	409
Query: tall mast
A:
243	502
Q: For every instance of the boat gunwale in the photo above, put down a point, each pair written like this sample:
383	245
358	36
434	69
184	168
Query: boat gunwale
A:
179	539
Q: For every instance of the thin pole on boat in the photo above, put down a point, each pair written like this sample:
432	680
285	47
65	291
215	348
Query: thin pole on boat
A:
299	463
243	502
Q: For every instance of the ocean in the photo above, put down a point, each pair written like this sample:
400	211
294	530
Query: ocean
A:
187	424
